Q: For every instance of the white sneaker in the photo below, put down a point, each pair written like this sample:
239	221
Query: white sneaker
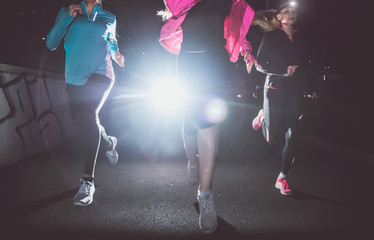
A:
84	196
208	216
112	154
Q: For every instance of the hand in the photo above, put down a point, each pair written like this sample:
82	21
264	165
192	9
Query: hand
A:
250	61
250	65
119	59
75	9
291	70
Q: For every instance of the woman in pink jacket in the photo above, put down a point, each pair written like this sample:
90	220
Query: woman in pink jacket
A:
206	35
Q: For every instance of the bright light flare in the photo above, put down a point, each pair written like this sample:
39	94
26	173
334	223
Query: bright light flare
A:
293	4
216	110
167	95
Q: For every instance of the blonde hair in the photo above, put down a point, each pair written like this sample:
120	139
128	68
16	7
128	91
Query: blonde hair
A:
266	19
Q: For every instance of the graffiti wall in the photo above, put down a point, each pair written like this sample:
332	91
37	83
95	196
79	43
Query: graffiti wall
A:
34	112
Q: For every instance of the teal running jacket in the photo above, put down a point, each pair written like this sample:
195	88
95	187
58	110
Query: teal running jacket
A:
90	43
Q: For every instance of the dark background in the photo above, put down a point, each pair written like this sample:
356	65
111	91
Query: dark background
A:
337	28
333	197
339	48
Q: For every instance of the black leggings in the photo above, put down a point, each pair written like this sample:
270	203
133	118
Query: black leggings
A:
85	102
283	113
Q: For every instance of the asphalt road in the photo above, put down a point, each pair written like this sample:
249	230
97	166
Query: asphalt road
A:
147	196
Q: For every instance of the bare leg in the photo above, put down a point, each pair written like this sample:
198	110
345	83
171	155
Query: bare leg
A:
207	142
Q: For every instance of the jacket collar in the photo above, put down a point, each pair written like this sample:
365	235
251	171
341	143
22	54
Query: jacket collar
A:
95	10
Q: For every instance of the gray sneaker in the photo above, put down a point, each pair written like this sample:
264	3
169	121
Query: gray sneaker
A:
208	216
193	173
112	154
84	196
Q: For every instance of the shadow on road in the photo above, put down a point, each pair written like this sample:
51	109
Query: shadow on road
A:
224	229
302	195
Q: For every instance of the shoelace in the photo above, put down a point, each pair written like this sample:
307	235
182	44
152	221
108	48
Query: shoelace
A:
284	183
85	187
205	204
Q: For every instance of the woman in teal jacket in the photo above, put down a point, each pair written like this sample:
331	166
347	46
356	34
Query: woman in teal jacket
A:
89	34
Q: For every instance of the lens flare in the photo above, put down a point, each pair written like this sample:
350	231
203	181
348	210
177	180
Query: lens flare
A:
167	95
216	110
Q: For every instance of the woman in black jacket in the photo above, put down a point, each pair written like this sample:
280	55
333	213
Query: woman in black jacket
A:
279	56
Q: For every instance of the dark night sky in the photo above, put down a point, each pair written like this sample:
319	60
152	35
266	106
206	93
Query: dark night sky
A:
338	33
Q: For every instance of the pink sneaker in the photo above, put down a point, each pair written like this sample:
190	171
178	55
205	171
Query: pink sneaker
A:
256	123
283	186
